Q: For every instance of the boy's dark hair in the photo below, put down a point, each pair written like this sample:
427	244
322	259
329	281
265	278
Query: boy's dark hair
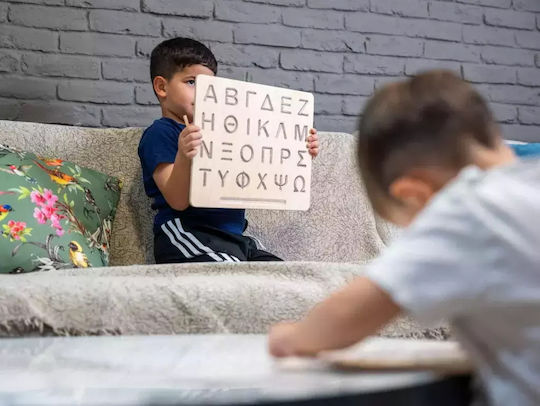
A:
175	54
425	121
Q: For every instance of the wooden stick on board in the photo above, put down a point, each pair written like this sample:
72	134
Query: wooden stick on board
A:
186	121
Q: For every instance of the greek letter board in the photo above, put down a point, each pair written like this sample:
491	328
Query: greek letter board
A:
253	152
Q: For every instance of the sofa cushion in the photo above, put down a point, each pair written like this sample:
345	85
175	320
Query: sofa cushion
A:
53	214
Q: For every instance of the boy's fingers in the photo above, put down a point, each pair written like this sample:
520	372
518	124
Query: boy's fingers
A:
189	129
281	340
191	137
190	146
313	131
314	151
191	152
193	144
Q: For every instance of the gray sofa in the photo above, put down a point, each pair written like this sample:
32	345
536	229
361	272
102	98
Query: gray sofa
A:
323	248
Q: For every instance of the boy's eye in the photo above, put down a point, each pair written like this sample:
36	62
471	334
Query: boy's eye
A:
191	82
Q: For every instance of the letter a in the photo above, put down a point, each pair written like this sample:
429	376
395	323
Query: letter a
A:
210	94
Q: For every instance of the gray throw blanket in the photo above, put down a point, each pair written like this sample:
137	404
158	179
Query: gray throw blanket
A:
173	299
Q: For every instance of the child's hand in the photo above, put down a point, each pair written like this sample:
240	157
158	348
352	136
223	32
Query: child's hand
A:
189	141
313	143
280	340
285	340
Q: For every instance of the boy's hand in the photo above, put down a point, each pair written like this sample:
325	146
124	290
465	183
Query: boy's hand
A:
189	141
313	143
285	340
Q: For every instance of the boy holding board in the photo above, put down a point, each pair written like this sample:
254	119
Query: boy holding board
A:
183	233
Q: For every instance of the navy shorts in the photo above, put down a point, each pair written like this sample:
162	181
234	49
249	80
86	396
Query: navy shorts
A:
176	242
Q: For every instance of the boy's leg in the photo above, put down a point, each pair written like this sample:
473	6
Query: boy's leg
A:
257	254
260	255
176	243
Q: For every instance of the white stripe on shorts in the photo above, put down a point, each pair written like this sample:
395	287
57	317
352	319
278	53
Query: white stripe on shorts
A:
195	241
228	258
174	242
183	240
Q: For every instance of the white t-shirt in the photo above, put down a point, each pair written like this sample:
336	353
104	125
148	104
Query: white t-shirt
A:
473	257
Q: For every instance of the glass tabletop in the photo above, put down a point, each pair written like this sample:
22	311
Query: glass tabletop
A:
181	369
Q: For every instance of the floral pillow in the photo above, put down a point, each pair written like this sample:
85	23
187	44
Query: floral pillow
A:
53	214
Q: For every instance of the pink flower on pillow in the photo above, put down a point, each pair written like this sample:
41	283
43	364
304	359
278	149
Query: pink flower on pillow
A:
49	211
16	226
49	197
16	230
46	209
40	216
37	198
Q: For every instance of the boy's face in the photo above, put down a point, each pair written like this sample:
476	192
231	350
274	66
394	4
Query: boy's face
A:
177	95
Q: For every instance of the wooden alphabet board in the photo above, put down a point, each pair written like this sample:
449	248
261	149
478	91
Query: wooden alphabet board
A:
401	353
254	146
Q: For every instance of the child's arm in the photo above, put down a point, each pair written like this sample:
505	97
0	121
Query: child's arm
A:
173	180
345	318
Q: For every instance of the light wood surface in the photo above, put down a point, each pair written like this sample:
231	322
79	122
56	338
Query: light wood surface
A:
254	147
402	354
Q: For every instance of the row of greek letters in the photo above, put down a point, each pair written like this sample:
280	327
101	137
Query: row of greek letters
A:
286	104
248	153
263	180
260	127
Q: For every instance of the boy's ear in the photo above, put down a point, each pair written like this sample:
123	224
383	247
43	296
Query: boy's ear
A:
160	86
413	192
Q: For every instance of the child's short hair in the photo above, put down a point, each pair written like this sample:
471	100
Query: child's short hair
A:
424	121
175	54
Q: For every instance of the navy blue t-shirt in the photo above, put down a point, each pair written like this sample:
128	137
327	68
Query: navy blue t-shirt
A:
159	144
